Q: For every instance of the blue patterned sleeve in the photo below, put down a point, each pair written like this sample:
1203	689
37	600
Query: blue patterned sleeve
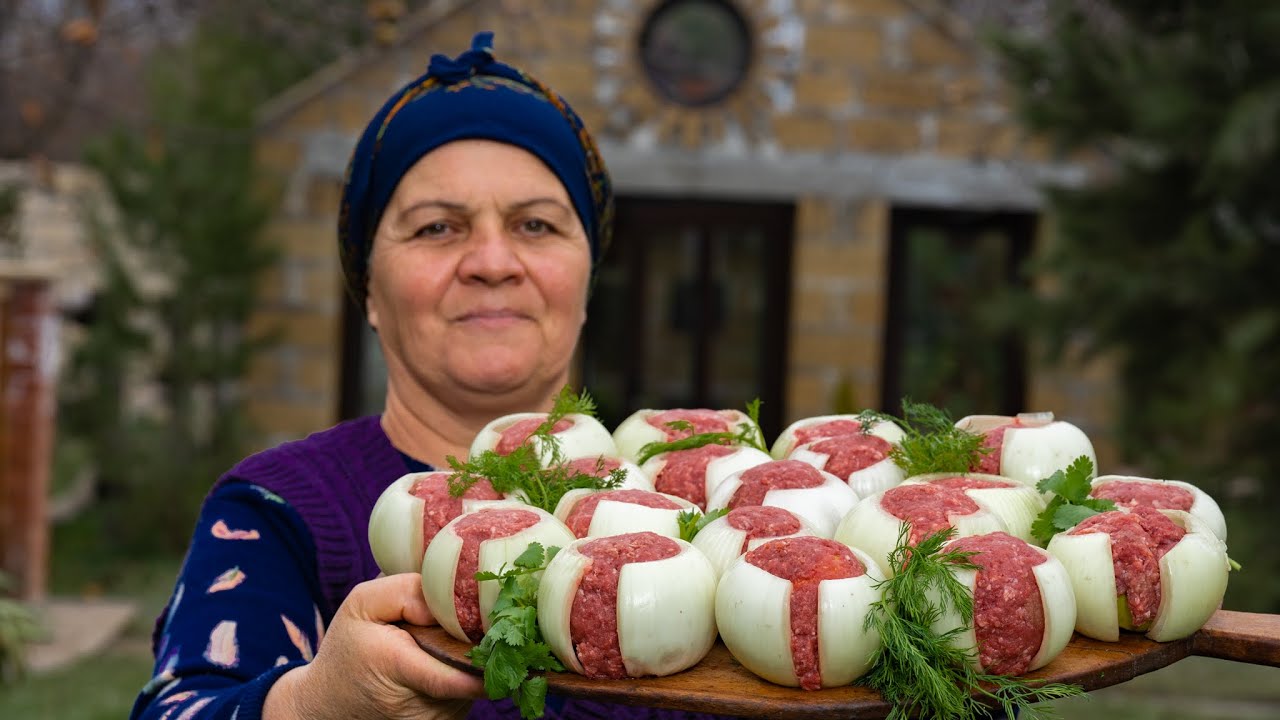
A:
245	610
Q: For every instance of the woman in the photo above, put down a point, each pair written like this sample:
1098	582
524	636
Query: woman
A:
475	208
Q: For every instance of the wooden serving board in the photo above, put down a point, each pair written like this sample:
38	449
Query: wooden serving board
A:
719	684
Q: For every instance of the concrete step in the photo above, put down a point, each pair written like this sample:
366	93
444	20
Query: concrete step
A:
77	628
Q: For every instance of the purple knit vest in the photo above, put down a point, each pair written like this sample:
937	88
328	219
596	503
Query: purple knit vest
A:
332	479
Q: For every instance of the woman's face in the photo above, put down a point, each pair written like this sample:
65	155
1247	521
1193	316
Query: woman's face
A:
478	275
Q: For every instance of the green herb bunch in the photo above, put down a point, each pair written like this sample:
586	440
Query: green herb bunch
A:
746	435
691	522
919	671
1071	503
931	443
513	646
536	469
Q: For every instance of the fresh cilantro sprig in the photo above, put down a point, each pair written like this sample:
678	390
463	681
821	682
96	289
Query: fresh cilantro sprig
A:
919	671
931	441
746	435
691	522
536	469
1071	503
513	646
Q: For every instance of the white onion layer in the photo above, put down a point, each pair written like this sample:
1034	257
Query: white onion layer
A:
395	524
1193	580
1031	454
1059	609
663	626
612	517
878	476
722	542
440	565
753	611
785	444
1203	506
395	527
1087	559
718	469
662	630
635	432
1057	602
1017	506
822	506
586	438
874	530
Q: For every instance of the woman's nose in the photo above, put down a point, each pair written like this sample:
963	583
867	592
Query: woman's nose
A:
491	256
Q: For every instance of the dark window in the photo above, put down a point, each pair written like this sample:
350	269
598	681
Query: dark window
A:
695	52
690	309
944	341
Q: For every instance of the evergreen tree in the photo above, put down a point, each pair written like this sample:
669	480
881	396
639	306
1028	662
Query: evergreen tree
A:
1170	261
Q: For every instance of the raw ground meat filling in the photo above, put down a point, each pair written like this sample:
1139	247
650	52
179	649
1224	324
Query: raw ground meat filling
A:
1008	613
831	428
703	421
684	474
1139	539
439	507
597	466
579	520
473	530
514	435
1153	495
847	454
994	439
777	475
964	482
927	507
761	521
805	562
593	623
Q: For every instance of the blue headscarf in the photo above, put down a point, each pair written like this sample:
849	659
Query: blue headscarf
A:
469	97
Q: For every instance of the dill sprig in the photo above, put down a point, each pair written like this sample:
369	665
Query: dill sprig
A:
746	435
536	469
931	443
921	672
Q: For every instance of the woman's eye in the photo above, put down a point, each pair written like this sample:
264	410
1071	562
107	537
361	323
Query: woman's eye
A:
536	227
433	229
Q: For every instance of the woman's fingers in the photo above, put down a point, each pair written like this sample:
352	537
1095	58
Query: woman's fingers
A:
398	598
391	599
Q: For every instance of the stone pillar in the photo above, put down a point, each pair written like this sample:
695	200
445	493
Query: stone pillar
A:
28	364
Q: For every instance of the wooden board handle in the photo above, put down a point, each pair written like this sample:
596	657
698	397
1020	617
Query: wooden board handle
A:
1240	636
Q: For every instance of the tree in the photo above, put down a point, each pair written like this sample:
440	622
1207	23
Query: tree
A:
1169	261
189	207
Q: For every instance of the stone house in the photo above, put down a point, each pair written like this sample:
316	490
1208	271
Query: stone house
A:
816	199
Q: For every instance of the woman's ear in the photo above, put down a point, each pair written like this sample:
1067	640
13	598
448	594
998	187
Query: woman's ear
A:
371	311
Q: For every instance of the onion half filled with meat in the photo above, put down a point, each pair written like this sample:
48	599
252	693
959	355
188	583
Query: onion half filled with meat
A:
628	606
793	611
1161	572
483	540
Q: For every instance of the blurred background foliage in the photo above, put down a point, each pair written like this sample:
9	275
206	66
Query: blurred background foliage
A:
1170	262
180	245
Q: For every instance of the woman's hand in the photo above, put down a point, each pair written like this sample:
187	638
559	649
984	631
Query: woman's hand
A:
366	668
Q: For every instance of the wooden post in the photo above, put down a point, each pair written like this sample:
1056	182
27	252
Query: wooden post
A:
28	364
